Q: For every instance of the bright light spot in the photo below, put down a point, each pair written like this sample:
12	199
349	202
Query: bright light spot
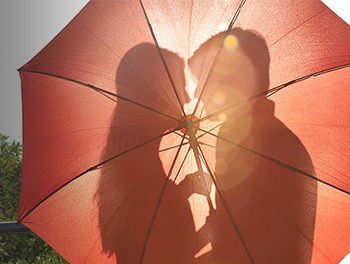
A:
222	26
233	166
219	97
223	117
208	247
191	86
221	166
213	195
200	210
230	42
238	121
346	260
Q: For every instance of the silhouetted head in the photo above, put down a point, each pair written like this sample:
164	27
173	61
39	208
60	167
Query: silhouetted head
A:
142	78
241	70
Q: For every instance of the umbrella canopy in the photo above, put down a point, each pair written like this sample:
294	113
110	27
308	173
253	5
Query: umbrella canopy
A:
190	132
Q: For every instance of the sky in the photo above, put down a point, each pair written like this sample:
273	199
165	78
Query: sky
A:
26	27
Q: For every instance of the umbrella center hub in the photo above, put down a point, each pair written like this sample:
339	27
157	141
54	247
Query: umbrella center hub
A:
189	124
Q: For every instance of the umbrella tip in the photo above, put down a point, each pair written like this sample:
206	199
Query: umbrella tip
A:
189	124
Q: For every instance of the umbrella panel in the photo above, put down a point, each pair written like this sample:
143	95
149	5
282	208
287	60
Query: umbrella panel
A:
75	148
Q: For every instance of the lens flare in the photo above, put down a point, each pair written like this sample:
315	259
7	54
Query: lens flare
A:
222	26
223	117
219	98
221	166
230	42
234	166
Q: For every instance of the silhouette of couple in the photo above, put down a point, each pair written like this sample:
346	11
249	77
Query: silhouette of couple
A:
266	210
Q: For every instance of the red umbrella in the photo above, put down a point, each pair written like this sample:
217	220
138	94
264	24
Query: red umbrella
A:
151	137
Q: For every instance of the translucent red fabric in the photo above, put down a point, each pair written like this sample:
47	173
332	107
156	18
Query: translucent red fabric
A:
116	169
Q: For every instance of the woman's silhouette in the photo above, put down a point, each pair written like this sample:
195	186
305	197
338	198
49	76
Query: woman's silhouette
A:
257	159
131	227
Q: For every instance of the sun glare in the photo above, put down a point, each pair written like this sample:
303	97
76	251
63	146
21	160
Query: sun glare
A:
230	42
219	98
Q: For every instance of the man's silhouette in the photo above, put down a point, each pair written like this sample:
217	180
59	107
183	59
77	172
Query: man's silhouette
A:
271	204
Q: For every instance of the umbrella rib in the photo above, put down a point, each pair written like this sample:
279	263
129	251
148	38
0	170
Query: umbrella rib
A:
182	164
206	144
94	168
273	90
189	41
148	234
101	91
213	128
285	165
315	74
232	220
200	136
162	58
233	20
199	142
177	133
176	146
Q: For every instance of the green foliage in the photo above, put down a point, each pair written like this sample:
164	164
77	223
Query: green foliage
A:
26	248
10	170
20	248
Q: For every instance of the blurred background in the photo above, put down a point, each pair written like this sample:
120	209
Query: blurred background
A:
25	28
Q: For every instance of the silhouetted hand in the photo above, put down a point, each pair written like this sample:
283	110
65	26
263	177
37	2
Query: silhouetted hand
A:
200	183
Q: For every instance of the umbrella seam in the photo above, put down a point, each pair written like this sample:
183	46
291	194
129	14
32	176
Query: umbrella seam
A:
162	58
221	195
102	91
116	211
274	90
91	169
278	162
233	20
150	228
121	60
